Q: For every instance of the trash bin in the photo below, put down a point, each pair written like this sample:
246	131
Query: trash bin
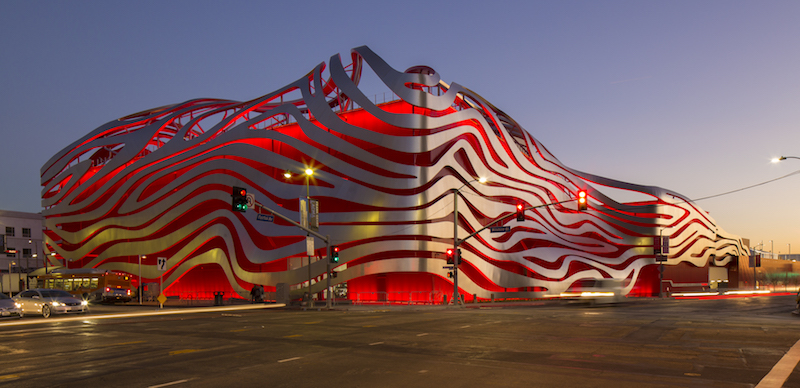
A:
218	297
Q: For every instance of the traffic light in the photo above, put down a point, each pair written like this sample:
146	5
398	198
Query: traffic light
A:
458	254
582	200
239	199
449	254
334	274
520	212
335	254
450	274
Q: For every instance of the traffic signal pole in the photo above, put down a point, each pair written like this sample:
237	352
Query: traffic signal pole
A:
457	242
456	294
321	237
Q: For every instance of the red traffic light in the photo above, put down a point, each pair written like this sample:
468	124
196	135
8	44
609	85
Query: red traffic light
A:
519	207
582	200
243	192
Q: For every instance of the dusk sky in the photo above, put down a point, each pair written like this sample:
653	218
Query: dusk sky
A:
695	97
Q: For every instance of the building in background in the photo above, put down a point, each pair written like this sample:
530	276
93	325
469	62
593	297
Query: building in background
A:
395	180
22	233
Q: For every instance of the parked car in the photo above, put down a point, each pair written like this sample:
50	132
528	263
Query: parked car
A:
47	302
9	308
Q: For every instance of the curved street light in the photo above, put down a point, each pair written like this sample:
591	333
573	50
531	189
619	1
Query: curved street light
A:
776	160
456	256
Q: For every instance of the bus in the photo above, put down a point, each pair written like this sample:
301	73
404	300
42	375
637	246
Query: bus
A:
93	285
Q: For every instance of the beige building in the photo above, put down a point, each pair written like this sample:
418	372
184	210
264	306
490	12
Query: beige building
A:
22	232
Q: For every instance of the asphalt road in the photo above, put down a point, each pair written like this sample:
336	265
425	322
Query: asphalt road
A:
646	343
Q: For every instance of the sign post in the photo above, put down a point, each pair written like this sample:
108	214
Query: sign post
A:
162	266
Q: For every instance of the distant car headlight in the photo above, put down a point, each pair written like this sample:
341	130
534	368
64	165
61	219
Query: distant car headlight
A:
57	304
84	303
19	306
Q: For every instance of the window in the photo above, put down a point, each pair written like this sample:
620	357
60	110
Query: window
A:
26	232
10	231
26	252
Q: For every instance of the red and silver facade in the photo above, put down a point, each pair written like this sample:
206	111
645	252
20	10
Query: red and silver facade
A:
158	183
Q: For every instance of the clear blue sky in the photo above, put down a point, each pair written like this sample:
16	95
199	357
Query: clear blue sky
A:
696	97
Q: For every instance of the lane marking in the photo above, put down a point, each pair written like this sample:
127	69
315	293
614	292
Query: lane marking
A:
129	343
293	336
168	384
290	359
375	343
421	334
184	351
8	377
781	371
216	309
465	326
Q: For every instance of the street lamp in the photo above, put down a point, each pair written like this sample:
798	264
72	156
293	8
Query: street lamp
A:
308	173
776	160
457	257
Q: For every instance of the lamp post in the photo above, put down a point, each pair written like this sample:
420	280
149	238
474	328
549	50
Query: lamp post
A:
309	172
457	257
776	160
141	286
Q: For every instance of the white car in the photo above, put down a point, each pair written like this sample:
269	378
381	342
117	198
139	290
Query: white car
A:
9	308
48	302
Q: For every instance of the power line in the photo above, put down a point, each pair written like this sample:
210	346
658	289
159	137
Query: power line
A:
745	188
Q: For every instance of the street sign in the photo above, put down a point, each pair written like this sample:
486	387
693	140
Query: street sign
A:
303	212
310	246
500	229
251	200
447	267
162	264
265	217
313	214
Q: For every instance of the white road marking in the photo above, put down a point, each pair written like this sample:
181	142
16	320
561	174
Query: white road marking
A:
421	334
465	326
168	384
781	371
223	309
290	359
375	343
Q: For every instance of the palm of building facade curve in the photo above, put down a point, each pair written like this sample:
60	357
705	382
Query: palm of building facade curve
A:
158	183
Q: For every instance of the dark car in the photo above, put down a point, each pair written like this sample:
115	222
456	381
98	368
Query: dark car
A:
48	302
9	308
